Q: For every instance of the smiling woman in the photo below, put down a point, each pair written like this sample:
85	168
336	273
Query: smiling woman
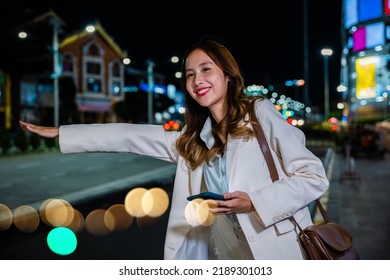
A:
216	151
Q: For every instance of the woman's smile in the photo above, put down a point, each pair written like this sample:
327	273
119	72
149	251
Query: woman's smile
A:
202	91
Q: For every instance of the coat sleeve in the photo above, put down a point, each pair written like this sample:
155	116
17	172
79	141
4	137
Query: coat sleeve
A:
302	177
147	140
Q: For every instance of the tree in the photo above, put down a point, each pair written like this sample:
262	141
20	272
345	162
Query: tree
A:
5	140
21	140
68	109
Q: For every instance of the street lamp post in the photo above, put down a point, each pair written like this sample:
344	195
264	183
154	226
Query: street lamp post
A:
150	90
326	53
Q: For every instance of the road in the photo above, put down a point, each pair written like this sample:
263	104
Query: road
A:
30	179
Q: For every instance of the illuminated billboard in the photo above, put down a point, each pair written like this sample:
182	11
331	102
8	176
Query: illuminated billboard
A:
387	7
365	77
350	13
359	11
369	36
369	9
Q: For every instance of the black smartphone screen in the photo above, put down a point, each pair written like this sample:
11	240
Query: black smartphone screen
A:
206	195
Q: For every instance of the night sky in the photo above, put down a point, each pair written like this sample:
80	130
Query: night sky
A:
266	37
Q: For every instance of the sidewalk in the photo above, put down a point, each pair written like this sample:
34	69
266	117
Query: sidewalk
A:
361	203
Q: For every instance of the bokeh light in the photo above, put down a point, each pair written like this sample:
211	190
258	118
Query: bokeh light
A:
133	201
197	212
94	223
204	215
62	241
56	212
43	209
190	212
155	202
26	218
117	218
78	222
5	217
140	202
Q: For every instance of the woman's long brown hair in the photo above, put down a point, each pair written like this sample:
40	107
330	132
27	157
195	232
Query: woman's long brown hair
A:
189	145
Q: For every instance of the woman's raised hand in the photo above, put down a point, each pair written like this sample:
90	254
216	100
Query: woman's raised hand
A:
44	131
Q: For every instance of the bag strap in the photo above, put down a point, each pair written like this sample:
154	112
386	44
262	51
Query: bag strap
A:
267	154
263	143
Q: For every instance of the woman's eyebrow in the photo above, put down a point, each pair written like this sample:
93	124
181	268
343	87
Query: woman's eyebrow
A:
200	65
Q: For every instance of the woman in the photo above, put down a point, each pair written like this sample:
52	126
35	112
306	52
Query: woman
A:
217	151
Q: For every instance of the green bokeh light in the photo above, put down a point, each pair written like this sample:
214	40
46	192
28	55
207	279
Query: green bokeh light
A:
62	241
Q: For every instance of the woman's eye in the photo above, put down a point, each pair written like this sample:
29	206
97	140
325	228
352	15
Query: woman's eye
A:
189	75
205	69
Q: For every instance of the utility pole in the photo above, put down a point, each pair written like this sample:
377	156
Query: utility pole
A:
306	98
150	90
326	53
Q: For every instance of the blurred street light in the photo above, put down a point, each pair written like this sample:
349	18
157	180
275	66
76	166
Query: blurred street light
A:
326	53
150	72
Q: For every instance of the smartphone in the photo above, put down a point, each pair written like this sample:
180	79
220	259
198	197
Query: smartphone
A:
207	195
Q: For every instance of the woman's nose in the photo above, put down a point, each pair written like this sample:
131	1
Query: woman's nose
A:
198	80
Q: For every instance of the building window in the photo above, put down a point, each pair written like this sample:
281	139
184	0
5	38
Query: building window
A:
115	73
93	50
115	88
93	69
69	68
28	94
94	85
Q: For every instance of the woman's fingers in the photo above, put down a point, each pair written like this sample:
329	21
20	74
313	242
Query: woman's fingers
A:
236	202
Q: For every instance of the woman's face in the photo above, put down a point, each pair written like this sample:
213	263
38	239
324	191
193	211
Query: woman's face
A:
206	83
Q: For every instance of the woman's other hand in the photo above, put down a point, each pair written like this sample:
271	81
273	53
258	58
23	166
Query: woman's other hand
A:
235	202
44	131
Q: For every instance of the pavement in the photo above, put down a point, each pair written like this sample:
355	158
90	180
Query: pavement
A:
359	200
